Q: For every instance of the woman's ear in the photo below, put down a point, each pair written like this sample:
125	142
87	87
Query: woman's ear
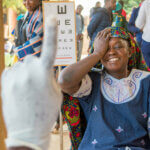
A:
129	52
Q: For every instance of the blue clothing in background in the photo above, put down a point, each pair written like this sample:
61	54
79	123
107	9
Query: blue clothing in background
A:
117	121
32	31
99	21
145	47
132	28
94	10
79	24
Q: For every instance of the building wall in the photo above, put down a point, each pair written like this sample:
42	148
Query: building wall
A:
2	126
11	20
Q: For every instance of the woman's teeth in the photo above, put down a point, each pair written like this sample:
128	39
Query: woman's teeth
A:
113	59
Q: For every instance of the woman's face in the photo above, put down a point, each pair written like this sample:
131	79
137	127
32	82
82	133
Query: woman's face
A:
31	5
116	58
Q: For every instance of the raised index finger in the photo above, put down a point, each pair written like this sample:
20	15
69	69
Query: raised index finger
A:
49	47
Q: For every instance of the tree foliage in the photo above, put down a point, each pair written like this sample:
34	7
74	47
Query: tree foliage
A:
130	4
17	5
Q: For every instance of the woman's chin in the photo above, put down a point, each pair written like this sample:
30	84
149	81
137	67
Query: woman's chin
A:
114	69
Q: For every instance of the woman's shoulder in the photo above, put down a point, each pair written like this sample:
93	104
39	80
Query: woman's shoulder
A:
139	74
96	77
95	73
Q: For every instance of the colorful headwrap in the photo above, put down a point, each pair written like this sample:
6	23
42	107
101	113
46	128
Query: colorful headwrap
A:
136	60
119	21
118	7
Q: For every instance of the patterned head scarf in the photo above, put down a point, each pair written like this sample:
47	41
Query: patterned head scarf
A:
136	60
118	7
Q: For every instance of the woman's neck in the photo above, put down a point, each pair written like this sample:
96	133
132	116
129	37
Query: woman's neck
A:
31	12
119	74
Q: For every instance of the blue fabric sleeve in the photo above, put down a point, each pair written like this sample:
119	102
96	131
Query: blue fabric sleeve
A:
33	45
149	116
131	25
96	19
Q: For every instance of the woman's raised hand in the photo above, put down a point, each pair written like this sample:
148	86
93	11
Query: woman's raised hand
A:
101	42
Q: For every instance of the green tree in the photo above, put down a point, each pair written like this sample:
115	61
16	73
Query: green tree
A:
130	4
17	5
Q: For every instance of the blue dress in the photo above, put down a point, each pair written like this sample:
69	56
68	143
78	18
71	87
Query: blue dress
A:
34	35
117	112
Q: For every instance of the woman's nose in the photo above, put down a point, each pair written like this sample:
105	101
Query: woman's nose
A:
111	51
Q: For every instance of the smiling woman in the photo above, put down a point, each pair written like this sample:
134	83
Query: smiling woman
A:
115	102
116	57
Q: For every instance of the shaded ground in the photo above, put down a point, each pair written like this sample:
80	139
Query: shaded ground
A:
55	140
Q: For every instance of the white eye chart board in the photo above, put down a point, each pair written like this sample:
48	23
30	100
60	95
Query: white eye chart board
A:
66	38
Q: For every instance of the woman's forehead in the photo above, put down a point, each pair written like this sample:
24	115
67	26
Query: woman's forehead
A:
114	40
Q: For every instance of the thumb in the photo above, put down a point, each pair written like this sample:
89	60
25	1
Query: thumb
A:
49	47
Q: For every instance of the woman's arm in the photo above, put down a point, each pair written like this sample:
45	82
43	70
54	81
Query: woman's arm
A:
70	78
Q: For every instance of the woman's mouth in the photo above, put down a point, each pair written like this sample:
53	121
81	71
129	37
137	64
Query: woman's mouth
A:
113	59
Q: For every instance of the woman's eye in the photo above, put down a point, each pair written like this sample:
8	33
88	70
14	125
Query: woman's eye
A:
118	47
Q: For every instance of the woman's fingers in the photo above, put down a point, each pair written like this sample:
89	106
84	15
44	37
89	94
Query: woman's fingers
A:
108	36
98	35
104	33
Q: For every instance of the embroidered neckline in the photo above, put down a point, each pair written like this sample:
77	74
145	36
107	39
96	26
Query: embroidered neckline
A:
123	90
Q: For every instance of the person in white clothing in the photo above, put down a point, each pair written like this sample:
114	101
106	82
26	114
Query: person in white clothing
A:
143	23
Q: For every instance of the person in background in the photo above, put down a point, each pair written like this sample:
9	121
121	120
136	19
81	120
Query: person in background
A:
93	10
131	25
118	19
123	11
30	34
16	32
143	23
8	56
100	20
79	30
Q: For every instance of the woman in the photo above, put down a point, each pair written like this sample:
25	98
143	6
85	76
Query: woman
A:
115	102
30	34
136	60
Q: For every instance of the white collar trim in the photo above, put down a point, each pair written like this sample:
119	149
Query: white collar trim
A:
123	90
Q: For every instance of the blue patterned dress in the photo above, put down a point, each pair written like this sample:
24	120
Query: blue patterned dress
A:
117	112
34	35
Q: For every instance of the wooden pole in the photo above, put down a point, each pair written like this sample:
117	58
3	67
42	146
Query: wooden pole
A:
61	131
2	126
61	122
60	116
